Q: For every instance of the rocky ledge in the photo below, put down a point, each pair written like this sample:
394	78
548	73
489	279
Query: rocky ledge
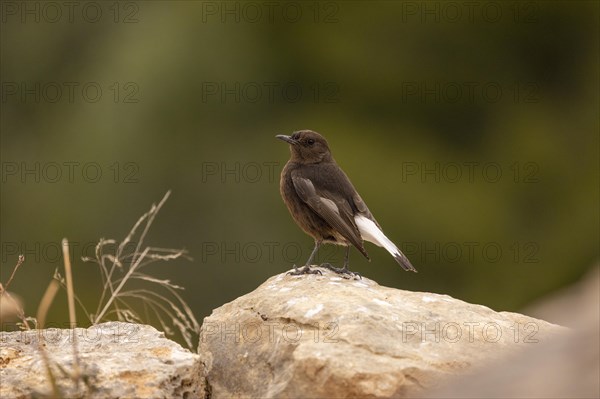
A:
116	360
319	336
326	336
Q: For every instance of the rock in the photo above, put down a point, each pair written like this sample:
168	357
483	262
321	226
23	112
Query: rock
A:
565	367
325	336
116	360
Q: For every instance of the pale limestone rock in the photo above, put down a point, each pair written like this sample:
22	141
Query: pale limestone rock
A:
325	336
117	360
565	367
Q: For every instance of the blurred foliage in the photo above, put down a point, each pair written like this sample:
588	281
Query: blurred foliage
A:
407	93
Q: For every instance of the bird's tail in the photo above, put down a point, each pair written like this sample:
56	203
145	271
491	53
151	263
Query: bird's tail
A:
403	261
371	232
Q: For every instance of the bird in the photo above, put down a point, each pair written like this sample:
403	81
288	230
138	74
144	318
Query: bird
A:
325	204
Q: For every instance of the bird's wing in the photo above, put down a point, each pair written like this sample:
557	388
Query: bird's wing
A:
332	178
362	209
337	213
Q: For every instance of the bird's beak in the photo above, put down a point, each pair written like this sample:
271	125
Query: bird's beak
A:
287	139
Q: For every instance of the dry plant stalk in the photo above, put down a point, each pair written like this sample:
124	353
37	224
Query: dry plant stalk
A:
121	264
46	301
76	375
18	308
69	275
25	326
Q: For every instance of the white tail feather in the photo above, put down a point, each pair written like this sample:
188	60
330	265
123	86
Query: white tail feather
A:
370	232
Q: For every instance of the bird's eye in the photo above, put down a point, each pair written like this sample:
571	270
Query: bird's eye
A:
310	141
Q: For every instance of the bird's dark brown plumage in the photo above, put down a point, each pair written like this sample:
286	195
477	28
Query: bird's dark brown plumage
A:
324	203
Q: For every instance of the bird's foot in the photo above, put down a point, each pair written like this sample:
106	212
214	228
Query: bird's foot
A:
341	270
305	270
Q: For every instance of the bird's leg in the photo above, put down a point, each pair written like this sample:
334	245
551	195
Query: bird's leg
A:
306	269
314	252
342	270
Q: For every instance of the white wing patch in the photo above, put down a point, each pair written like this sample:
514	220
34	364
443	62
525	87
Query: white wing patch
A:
370	232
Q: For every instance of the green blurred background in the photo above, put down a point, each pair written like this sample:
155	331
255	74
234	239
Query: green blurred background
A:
471	132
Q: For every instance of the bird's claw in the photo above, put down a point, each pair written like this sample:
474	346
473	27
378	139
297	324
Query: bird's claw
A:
305	270
341	270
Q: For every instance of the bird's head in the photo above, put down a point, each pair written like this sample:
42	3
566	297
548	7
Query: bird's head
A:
307	146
